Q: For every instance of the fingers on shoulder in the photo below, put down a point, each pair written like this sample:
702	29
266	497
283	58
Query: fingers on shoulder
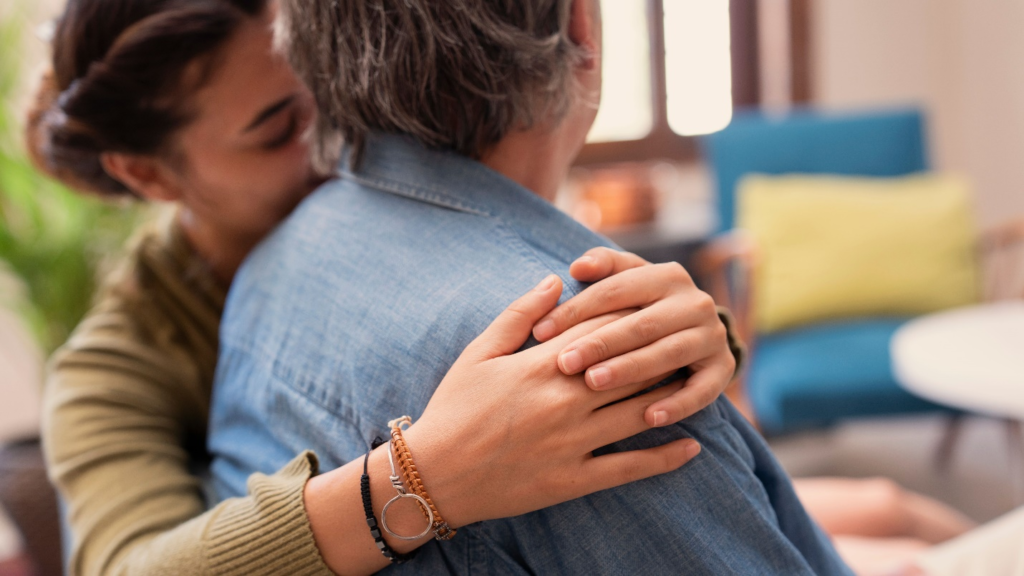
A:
700	391
591	325
601	262
624	467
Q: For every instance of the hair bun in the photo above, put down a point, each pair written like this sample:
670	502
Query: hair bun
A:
61	148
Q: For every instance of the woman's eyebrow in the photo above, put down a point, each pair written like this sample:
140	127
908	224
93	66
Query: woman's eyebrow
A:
268	113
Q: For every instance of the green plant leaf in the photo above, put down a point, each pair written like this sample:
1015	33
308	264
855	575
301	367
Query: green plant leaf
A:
51	238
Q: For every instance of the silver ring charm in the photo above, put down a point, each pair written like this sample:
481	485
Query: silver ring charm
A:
423	503
396	481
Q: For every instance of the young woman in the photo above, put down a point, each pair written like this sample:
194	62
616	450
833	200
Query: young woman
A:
185	101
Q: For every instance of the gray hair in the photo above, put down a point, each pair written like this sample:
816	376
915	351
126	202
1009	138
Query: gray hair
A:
454	74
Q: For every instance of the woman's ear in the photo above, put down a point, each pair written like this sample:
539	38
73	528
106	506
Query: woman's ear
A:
585	29
144	175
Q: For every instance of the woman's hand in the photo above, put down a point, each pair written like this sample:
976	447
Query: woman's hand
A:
508	433
505	433
677	325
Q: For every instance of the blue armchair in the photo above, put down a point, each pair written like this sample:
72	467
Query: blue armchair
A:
817	375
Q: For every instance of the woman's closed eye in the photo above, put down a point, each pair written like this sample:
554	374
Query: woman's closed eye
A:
276	125
285	134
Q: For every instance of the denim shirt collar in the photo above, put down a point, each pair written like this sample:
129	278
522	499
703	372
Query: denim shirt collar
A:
400	165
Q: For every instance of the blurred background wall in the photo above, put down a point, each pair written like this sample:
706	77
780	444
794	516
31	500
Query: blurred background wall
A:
962	60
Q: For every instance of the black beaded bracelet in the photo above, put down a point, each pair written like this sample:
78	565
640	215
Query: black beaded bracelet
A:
371	520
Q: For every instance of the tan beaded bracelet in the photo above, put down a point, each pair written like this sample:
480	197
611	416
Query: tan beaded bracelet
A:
442	531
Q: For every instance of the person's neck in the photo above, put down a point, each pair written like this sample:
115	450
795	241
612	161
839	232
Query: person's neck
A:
222	249
537	159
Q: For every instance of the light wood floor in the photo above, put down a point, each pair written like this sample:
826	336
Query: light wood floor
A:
979	482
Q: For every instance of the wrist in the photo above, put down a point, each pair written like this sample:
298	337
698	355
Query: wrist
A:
447	485
333	503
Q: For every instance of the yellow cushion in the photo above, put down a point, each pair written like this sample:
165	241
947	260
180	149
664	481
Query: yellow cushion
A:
837	247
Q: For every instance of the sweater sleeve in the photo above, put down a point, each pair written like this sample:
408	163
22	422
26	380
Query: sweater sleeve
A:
113	433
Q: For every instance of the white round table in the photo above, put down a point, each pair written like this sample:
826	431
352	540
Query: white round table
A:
970	358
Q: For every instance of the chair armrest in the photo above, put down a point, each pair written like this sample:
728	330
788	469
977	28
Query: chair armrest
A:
725	264
1002	256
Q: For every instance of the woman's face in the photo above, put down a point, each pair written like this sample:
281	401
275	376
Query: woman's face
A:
243	163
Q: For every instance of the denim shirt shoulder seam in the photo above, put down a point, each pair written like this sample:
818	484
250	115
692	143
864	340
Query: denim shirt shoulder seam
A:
438	197
422	192
530	253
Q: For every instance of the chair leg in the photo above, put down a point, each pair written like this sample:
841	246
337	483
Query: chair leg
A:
31	502
944	453
1015	443
736	393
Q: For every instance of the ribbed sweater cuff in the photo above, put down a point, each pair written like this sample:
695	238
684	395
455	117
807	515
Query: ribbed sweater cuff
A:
736	345
269	532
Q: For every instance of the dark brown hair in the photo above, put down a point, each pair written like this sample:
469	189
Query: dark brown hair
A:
456	74
121	76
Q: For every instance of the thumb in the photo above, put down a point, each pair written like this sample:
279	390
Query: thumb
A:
511	328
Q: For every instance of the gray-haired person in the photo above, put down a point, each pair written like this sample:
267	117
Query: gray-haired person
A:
460	119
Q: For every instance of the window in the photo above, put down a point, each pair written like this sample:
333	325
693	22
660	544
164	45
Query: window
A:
698	70
673	69
626	112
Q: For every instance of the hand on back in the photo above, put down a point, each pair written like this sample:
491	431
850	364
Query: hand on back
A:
509	432
677	325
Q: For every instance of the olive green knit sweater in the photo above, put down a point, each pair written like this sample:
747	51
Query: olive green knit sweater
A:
126	398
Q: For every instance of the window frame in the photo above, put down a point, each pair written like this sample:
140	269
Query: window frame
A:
662	142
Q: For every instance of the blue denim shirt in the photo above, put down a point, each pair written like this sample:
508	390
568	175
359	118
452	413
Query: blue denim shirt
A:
351	313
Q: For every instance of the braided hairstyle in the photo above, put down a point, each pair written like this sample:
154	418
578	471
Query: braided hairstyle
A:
121	79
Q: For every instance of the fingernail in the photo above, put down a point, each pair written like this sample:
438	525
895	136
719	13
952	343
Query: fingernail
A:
572	362
660	418
600	377
544	330
586	260
692	449
546	283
